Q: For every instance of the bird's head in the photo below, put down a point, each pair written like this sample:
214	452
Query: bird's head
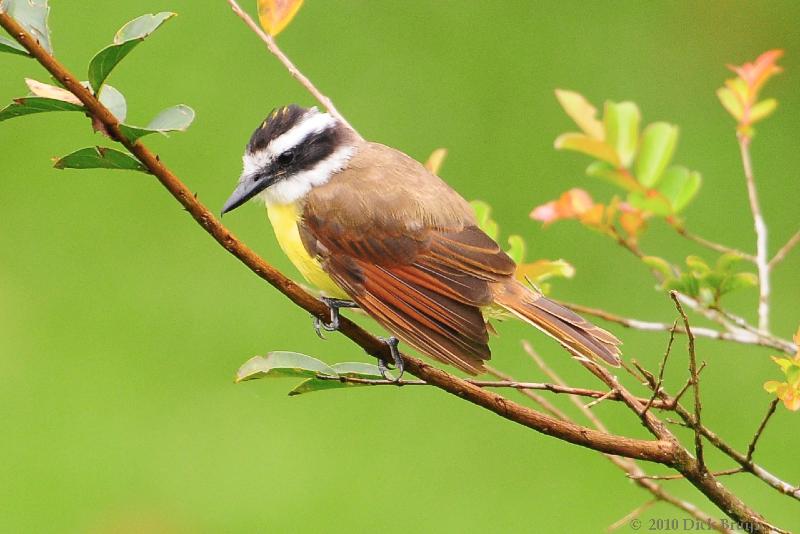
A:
292	151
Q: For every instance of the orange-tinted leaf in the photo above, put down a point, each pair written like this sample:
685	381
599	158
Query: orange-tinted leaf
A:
541	270
594	216
570	205
633	222
275	15
756	74
435	160
582	112
589	146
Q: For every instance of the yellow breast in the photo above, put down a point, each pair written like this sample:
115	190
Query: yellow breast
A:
284	219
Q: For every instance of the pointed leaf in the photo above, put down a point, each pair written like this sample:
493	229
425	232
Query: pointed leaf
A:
32	15
621	122
35	104
659	264
763	109
587	145
275	15
606	171
282	364
542	270
175	119
655	153
126	39
730	101
12	47
51	91
582	112
679	186
99	158
357	369
697	265
435	160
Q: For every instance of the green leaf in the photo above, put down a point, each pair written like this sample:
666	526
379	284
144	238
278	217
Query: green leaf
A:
174	119
12	47
621	121
483	217
653	203
99	157
659	264
126	39
697	265
282	364
726	262
730	102
763	109
607	172
348	369
35	104
679	185
541	270
655	153
111	98
32	15
738	281
587	145
516	249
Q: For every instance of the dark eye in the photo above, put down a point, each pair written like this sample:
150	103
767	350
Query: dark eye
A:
286	158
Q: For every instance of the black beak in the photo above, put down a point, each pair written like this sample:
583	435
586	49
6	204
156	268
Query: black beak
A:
247	188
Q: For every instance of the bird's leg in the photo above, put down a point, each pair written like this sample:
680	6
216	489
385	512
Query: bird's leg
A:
335	305
398	360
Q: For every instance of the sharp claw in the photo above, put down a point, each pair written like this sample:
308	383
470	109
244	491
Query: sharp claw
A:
399	366
334	305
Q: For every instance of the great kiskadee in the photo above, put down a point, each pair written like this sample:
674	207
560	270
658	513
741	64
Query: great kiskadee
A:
368	224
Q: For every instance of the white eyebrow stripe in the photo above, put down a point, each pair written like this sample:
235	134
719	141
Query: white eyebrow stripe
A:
313	122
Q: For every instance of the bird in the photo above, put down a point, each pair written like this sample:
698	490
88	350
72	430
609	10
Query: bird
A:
372	228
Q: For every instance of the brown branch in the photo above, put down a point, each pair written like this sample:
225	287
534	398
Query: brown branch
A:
273	48
785	249
630	516
751	449
656	451
761	234
698	440
630	467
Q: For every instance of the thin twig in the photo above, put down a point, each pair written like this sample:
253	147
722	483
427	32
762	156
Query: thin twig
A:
284	59
636	512
761	234
540	386
698	440
630	467
785	249
751	449
711	244
662	367
679	476
598	400
545	404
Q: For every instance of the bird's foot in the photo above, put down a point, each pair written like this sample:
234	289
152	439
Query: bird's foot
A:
392	342
335	305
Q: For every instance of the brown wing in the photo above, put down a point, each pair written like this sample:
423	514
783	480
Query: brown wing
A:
410	256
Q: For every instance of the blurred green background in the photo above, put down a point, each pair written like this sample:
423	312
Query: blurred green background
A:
122	323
